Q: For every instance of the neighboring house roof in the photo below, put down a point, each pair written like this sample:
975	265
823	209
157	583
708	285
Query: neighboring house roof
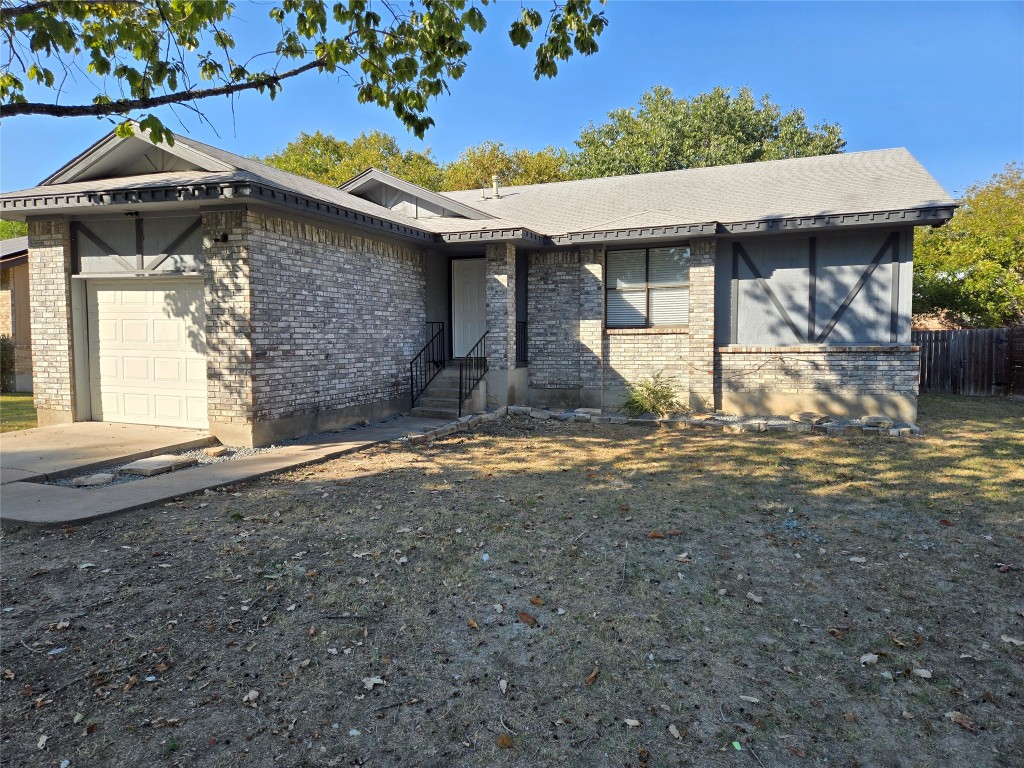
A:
878	187
13	252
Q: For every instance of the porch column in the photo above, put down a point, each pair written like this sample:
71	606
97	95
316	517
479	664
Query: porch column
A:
501	324
591	326
702	324
53	372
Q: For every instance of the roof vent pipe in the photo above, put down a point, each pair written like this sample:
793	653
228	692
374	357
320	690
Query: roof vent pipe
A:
494	185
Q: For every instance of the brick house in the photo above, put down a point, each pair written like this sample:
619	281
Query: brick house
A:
185	285
14	311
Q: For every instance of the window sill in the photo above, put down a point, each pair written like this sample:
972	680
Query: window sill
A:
661	330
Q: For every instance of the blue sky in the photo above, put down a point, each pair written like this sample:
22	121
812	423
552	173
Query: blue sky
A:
944	79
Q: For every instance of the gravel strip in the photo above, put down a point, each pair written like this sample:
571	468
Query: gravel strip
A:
199	454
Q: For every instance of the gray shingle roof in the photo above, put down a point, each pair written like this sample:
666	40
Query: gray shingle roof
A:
854	183
13	246
857	182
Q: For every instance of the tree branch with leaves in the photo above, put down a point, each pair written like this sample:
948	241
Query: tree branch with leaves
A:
144	54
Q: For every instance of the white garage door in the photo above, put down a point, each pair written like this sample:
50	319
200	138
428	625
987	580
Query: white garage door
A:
147	352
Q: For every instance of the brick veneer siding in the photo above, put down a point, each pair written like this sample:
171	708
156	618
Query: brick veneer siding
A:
6	303
53	381
553	299
847	380
701	351
501	306
592	353
569	347
634	354
336	318
229	360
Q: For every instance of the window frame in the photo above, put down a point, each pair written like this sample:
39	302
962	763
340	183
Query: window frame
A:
647	287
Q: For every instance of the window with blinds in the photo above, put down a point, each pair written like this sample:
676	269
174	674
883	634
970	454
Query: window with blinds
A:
647	287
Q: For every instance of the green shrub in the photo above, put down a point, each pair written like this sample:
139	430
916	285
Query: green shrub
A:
656	395
6	364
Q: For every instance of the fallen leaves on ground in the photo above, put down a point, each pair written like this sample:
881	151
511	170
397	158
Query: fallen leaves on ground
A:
961	719
505	741
592	677
528	618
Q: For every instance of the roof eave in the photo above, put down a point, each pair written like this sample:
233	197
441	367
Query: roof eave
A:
518	235
13	260
929	215
20	207
705	229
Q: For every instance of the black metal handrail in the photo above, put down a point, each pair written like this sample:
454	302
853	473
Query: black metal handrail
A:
472	368
522	345
428	362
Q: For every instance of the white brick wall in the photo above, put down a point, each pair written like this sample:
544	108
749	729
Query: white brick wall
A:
859	370
336	317
49	261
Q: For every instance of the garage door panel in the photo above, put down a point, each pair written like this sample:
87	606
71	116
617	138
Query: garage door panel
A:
168	407
195	408
136	369
167	331
112	404
138	298
147	365
108	330
135	331
109	369
136	405
195	372
167	370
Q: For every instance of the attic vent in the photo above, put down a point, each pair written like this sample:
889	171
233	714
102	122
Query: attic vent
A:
494	186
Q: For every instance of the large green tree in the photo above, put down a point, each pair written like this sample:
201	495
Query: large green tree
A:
12	229
150	53
474	167
665	133
334	161
971	270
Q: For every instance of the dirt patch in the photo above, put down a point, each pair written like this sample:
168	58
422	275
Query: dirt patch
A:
542	593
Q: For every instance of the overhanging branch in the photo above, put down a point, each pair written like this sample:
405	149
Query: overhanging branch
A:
124	106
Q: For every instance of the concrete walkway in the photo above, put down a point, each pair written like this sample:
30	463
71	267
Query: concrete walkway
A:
50	452
34	504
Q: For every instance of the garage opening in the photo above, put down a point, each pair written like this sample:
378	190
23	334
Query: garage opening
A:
147	351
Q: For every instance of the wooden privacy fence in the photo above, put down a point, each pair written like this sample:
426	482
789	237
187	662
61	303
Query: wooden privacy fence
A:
978	361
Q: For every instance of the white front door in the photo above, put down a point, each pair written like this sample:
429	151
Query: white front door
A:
147	351
469	304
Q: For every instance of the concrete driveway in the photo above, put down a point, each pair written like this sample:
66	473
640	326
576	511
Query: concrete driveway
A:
49	452
55	451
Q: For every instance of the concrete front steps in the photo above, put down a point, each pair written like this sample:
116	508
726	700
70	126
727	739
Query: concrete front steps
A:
441	399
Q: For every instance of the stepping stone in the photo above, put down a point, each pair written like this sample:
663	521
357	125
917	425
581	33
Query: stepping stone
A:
157	465
216	451
809	417
101	478
884	422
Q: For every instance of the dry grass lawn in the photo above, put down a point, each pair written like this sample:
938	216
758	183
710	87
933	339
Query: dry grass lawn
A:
539	594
